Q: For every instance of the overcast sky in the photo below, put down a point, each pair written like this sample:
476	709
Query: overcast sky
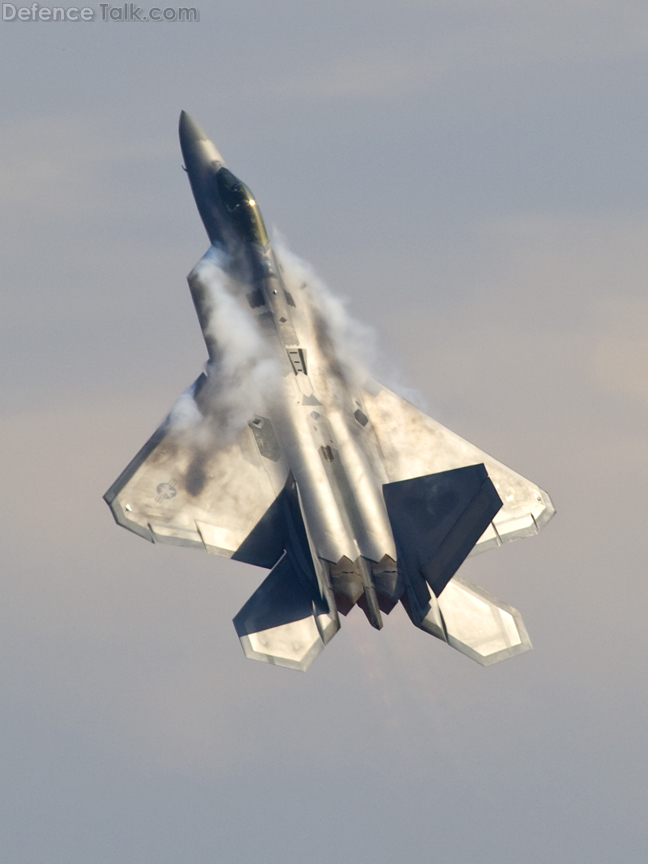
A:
472	176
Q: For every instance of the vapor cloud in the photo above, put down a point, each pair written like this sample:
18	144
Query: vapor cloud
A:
242	371
349	344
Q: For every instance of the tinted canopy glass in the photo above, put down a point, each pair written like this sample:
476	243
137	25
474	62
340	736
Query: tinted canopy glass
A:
241	206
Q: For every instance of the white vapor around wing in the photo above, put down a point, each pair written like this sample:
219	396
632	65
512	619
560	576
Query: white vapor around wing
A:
352	343
242	371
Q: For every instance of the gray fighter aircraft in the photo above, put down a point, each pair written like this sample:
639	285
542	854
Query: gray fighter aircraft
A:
347	493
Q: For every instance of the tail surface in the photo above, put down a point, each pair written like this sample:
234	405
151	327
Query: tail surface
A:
285	622
436	520
292	615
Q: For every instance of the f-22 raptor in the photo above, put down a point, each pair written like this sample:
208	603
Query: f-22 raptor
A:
346	492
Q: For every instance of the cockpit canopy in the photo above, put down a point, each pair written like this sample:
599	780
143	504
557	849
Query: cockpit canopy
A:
242	208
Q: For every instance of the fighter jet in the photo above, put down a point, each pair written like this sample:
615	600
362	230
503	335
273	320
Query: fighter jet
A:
347	493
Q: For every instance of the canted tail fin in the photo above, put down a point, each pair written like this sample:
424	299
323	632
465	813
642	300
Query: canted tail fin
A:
437	519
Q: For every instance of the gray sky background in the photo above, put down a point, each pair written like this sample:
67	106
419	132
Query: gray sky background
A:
472	176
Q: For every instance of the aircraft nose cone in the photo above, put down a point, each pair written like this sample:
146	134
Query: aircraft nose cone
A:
190	131
194	140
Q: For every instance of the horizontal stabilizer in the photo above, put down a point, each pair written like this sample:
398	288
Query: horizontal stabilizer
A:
481	626
437	519
285	622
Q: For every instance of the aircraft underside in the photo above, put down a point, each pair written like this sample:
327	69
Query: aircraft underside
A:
285	454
